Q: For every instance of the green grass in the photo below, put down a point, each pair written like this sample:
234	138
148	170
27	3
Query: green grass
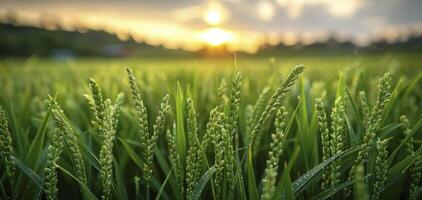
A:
345	127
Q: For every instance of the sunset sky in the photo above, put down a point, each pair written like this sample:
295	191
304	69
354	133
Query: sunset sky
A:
239	24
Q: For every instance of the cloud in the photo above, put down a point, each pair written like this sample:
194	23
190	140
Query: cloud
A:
342	8
266	10
212	12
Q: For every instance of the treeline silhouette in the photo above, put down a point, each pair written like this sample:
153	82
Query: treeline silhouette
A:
22	41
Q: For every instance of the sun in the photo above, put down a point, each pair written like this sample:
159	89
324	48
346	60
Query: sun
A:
216	36
214	13
213	17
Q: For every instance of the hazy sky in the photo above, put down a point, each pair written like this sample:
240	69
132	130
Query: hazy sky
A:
241	24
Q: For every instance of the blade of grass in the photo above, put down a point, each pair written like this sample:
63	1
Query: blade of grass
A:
197	189
163	185
87	193
301	184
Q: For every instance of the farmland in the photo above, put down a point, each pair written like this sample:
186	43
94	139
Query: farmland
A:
295	127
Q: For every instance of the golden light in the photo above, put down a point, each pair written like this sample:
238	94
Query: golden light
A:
214	13
212	17
216	36
266	10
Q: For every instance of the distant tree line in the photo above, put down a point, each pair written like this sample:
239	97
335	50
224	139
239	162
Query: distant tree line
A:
22	41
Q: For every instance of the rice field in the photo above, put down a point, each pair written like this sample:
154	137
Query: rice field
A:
329	127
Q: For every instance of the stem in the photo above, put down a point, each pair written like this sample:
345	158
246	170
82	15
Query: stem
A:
147	194
204	157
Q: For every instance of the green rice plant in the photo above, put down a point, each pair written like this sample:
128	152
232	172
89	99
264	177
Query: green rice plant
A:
137	182
374	122
381	168
333	142
256	113
416	168
142	118
275	99
229	157
360	191
175	161
365	108
276	148
71	139
158	127
193	159
116	109
222	95
148	141
105	121
211	128
106	151
234	106
337	138
6	149
6	153
220	151
415	173
98	103
54	151
325	139
248	116
232	137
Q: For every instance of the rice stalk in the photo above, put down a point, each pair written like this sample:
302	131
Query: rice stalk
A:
71	141
416	168
256	113
360	191
374	123
175	161
325	139
337	139
365	107
274	101
6	149
193	161
53	155
219	152
381	169
276	148
106	151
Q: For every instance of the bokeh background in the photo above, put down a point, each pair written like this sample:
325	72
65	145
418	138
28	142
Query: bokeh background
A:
208	27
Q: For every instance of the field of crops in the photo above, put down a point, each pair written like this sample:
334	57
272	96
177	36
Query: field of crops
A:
287	128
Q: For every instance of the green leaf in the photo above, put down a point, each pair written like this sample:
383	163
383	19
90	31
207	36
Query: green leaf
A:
301	184
412	132
34	153
332	191
135	158
252	188
399	170
180	124
85	190
411	86
163	185
197	189
340	86
29	172
120	184
284	188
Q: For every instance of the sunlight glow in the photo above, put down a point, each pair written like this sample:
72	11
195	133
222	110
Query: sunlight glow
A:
212	17
214	13
216	37
266	10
